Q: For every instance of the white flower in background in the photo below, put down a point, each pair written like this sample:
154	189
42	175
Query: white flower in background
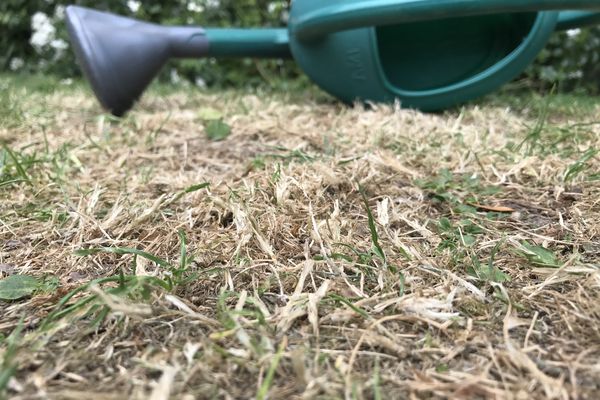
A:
576	75
40	21
573	32
59	47
212	3
59	44
43	38
175	78
16	63
43	31
195	6
59	12
274	6
201	83
134	5
279	6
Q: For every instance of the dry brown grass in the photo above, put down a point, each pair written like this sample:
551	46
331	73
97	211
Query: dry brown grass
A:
290	282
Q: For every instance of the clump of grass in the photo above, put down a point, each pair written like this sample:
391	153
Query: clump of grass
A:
11	111
459	191
13	167
376	249
489	272
579	166
8	365
125	285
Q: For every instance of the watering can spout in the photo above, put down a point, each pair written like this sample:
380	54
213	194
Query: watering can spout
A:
121	56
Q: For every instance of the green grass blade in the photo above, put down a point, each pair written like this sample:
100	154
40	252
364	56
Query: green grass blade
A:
20	170
263	391
8	366
372	228
377	381
580	165
347	302
183	250
195	188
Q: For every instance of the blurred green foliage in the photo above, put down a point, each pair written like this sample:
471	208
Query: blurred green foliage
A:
18	20
570	61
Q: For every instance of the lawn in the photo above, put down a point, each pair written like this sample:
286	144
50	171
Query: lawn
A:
282	245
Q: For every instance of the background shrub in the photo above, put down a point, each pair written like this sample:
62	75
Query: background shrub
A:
34	40
570	61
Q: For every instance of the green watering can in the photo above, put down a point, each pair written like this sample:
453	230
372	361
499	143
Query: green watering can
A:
428	54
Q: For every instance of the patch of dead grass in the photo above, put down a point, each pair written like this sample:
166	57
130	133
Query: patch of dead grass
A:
286	260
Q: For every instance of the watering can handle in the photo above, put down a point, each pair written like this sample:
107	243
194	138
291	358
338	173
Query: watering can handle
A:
341	15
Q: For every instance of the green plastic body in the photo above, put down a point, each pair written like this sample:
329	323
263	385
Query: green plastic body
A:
428	54
275	43
315	18
260	43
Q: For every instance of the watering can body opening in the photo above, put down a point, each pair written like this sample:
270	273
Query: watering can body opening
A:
429	65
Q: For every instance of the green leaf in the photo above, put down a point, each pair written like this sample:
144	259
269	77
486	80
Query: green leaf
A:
16	287
495	275
195	188
209	114
442	368
489	273
217	130
537	255
445	224
49	284
469	240
486	274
